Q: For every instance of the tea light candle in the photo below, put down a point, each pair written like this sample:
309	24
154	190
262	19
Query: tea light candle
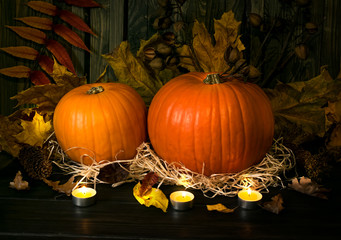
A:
83	196
182	200
248	199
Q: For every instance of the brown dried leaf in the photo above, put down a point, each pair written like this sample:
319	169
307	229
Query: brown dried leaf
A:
37	22
220	208
83	3
29	33
70	36
62	188
306	186
39	78
22	52
147	183
43	7
75	21
16	71
60	53
275	205
9	128
63	77
45	97
18	183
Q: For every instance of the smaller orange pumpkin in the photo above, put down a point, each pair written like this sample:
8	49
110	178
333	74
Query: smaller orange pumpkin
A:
100	121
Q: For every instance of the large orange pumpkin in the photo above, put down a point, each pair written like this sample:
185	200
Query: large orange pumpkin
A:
104	121
218	127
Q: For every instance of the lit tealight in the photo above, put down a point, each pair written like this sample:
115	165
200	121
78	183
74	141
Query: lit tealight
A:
249	199
182	200
84	196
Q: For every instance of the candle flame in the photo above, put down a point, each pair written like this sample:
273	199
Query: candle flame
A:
183	194
249	191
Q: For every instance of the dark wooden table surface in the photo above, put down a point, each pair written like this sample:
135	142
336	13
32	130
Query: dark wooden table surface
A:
42	213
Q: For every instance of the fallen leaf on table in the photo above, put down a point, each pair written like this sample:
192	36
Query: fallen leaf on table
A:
62	188
306	186
155	197
220	208
274	206
147	183
18	183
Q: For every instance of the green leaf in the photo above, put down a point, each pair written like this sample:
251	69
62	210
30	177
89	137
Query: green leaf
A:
299	107
131	71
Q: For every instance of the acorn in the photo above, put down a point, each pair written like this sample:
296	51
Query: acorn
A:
255	19
232	55
149	53
311	27
157	64
169	38
240	64
253	72
301	51
163	49
172	61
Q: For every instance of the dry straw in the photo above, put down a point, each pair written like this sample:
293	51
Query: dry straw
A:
268	173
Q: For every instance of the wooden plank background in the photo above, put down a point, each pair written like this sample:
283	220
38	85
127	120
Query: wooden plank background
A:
132	20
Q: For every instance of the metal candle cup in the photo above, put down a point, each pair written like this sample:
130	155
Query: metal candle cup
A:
84	196
249	199
182	200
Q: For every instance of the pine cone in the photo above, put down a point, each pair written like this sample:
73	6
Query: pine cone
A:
35	162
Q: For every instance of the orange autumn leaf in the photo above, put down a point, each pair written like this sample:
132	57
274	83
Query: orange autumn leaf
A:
39	78
83	3
43	7
60	53
70	36
46	63
37	22
22	52
74	21
29	33
62	188
17	71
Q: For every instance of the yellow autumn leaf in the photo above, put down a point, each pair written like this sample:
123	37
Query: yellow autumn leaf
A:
220	208
34	132
211	57
155	197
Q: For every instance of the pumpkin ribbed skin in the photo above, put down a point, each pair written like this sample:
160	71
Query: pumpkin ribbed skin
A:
108	124
218	128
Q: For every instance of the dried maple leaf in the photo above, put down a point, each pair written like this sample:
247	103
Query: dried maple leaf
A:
22	52
9	128
155	197
131	71
306	186
275	205
147	183
18	182
211	57
34	132
299	107
220	208
37	22
62	188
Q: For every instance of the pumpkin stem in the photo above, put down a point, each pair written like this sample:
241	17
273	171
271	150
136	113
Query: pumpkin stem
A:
212	78
95	90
